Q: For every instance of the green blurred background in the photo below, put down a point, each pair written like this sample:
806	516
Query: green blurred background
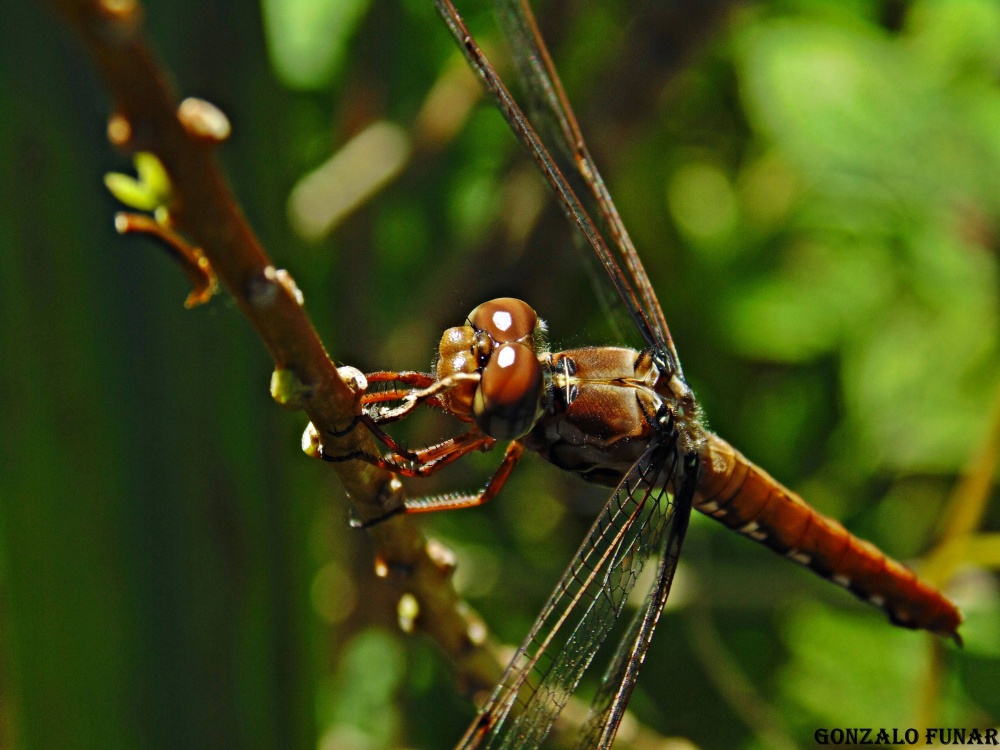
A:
815	189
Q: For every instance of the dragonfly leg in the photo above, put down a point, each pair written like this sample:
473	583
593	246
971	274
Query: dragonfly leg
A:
411	399
424	390
413	395
411	378
386	415
418	463
457	500
451	502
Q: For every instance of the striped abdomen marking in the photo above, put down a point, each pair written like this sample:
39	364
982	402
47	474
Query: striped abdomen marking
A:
744	497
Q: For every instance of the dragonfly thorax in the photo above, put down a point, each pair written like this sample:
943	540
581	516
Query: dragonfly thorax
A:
604	408
500	342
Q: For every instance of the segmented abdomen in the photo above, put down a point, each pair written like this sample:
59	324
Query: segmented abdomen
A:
744	497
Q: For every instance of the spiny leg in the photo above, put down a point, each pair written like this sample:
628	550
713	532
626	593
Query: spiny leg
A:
454	501
459	500
411	399
410	378
425	390
418	463
424	396
425	461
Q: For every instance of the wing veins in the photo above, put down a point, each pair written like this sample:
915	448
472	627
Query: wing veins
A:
535	65
574	659
608	707
620	514
525	133
518	672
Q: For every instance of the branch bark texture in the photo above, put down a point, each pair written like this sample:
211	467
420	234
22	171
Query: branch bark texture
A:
203	209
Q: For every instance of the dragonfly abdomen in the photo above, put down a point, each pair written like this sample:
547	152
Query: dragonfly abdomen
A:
744	497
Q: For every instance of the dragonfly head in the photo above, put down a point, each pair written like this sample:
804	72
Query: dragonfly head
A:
498	342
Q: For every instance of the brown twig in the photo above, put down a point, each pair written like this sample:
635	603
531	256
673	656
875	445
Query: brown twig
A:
191	260
148	117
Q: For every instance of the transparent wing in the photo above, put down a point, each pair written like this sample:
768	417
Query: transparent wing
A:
639	519
554	118
608	706
628	277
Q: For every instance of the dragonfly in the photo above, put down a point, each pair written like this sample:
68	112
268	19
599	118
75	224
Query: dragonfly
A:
620	417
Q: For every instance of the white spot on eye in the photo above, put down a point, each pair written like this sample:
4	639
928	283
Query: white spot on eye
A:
841	580
800	557
877	600
505	357
502	320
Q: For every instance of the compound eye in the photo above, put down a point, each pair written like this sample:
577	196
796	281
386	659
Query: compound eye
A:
508	399
504	319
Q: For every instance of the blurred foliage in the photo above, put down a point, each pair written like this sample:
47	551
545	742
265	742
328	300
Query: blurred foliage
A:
813	185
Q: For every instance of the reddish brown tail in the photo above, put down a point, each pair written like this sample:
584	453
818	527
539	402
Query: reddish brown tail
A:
744	497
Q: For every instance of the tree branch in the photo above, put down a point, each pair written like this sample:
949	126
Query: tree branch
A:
149	118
